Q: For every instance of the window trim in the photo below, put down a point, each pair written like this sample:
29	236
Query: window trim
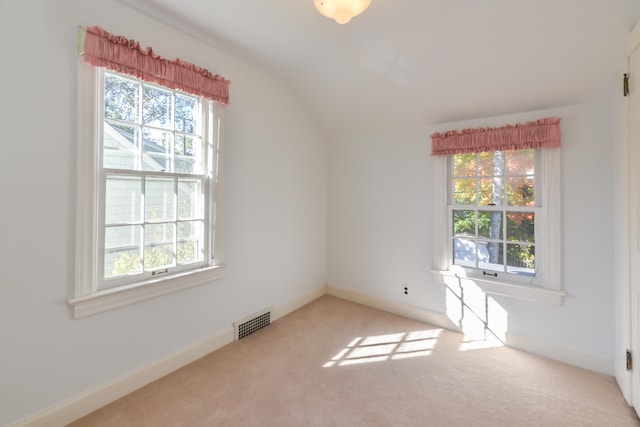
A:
548	288
496	287
87	299
116	297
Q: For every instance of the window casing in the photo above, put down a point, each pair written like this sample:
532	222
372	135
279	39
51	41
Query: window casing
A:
148	191
544	283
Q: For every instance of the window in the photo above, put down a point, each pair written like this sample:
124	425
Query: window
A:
148	188
155	174
493	209
497	209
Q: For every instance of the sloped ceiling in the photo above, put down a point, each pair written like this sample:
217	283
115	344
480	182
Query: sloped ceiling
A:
415	62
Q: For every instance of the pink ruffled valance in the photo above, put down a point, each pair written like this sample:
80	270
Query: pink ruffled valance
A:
120	54
543	133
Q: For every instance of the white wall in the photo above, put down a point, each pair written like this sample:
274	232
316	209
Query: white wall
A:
274	211
277	180
380	229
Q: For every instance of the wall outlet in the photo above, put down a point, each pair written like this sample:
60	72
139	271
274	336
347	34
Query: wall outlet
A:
405	289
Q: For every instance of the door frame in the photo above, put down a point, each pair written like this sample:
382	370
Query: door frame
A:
627	316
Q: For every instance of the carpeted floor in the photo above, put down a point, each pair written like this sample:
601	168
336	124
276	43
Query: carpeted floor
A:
336	363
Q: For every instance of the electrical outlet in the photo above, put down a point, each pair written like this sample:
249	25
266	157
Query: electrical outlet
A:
405	289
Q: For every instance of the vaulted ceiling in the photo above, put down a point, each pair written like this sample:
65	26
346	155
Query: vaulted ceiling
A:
406	63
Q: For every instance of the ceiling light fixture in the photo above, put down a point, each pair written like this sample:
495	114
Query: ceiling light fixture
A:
341	10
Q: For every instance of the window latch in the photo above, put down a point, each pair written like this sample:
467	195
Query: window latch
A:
484	273
163	271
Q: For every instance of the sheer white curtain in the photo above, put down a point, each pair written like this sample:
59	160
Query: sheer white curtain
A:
550	249
442	256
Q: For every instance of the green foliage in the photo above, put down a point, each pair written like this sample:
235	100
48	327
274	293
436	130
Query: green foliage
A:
464	223
154	257
187	252
126	263
521	256
484	225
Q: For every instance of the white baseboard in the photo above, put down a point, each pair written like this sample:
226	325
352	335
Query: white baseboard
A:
89	401
561	354
541	348
405	310
296	303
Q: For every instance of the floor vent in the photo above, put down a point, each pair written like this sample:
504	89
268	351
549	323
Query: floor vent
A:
251	323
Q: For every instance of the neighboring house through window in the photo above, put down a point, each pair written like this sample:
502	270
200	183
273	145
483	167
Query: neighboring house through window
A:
149	175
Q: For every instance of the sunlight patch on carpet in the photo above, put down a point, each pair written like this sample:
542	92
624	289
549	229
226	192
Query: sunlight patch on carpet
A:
381	348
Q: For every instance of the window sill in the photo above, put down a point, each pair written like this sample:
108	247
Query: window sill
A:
493	287
109	299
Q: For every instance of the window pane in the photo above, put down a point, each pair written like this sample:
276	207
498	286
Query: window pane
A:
122	251
121	97
187	165
190	199
520	162
464	191
490	225
188	151
464	252
521	259
187	145
157	147
520	191
187	112
190	246
464	164
159	199
121	146
491	163
490	256
490	192
520	227
464	223
158	246
157	107
123	199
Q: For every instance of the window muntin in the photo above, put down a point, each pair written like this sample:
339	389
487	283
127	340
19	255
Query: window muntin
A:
492	209
155	178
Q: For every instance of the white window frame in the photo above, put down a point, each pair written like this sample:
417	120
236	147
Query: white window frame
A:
546	285
88	298
538	210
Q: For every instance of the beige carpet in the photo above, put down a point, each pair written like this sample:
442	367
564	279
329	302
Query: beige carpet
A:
336	363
